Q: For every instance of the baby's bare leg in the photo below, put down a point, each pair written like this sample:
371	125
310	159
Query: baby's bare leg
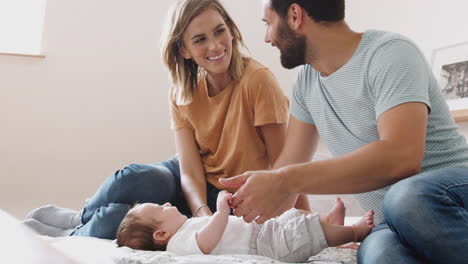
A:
335	216
338	235
337	213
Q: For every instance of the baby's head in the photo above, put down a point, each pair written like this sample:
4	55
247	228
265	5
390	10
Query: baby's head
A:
149	226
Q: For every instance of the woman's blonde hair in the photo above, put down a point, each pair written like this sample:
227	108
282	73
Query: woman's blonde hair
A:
185	72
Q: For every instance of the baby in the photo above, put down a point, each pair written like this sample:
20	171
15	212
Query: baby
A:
294	236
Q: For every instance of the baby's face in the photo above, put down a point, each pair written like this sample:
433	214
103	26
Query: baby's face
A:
169	216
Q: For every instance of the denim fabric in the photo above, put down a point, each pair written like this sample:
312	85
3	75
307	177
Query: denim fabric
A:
136	183
426	221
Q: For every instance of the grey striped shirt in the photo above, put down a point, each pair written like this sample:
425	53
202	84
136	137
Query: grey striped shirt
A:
386	70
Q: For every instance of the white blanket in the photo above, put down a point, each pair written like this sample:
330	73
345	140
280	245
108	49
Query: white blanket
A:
20	245
92	250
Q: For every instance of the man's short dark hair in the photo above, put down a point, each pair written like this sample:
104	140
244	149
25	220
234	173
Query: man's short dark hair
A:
318	10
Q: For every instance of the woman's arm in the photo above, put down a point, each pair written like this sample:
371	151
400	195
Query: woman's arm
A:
210	235
193	178
275	138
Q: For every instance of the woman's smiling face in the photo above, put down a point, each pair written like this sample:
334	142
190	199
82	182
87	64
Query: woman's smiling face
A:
208	41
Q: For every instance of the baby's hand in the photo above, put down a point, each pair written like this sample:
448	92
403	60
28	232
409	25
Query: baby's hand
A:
223	203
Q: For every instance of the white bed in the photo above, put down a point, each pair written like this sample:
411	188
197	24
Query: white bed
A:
91	250
20	245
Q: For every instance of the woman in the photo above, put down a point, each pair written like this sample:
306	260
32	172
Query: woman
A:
228	115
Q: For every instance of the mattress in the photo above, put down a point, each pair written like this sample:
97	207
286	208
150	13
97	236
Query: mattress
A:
93	250
20	245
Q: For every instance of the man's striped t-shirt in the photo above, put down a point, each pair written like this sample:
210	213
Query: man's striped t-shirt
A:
386	70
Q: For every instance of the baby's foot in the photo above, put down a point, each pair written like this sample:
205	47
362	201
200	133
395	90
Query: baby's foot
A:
363	227
337	213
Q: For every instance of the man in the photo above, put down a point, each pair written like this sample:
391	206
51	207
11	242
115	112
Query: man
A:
371	97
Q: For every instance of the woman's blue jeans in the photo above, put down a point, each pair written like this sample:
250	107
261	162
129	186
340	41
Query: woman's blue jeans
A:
426	221
136	183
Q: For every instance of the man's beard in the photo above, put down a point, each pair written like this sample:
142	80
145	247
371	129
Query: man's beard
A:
291	46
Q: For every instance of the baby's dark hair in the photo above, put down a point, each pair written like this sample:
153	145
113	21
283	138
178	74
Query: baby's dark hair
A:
135	233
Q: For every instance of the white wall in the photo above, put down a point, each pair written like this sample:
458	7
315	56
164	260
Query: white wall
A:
98	100
432	24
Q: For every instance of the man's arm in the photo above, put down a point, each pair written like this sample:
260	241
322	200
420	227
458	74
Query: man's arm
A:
301	143
397	155
210	235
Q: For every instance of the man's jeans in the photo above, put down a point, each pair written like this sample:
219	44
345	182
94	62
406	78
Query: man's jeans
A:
426	221
137	183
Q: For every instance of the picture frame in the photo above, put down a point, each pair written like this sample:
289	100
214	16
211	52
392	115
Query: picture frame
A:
450	66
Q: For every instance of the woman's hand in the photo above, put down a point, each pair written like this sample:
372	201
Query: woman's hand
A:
223	203
204	211
192	176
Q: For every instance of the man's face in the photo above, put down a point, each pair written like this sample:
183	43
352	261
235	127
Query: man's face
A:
292	46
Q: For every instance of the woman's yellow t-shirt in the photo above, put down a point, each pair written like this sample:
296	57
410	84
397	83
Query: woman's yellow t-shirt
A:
227	126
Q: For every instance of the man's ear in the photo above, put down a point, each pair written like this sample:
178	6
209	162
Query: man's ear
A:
185	53
161	235
295	16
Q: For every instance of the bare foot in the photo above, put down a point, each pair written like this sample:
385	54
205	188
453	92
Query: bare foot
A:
337	213
350	245
363	227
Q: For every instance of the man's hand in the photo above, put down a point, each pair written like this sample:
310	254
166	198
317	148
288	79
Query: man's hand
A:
223	204
262	194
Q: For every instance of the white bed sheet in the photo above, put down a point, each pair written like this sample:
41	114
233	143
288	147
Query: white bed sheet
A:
87	250
21	246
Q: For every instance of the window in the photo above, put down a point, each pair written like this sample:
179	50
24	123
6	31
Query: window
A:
21	26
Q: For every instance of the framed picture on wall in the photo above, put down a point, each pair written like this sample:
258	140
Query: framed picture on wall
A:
450	66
